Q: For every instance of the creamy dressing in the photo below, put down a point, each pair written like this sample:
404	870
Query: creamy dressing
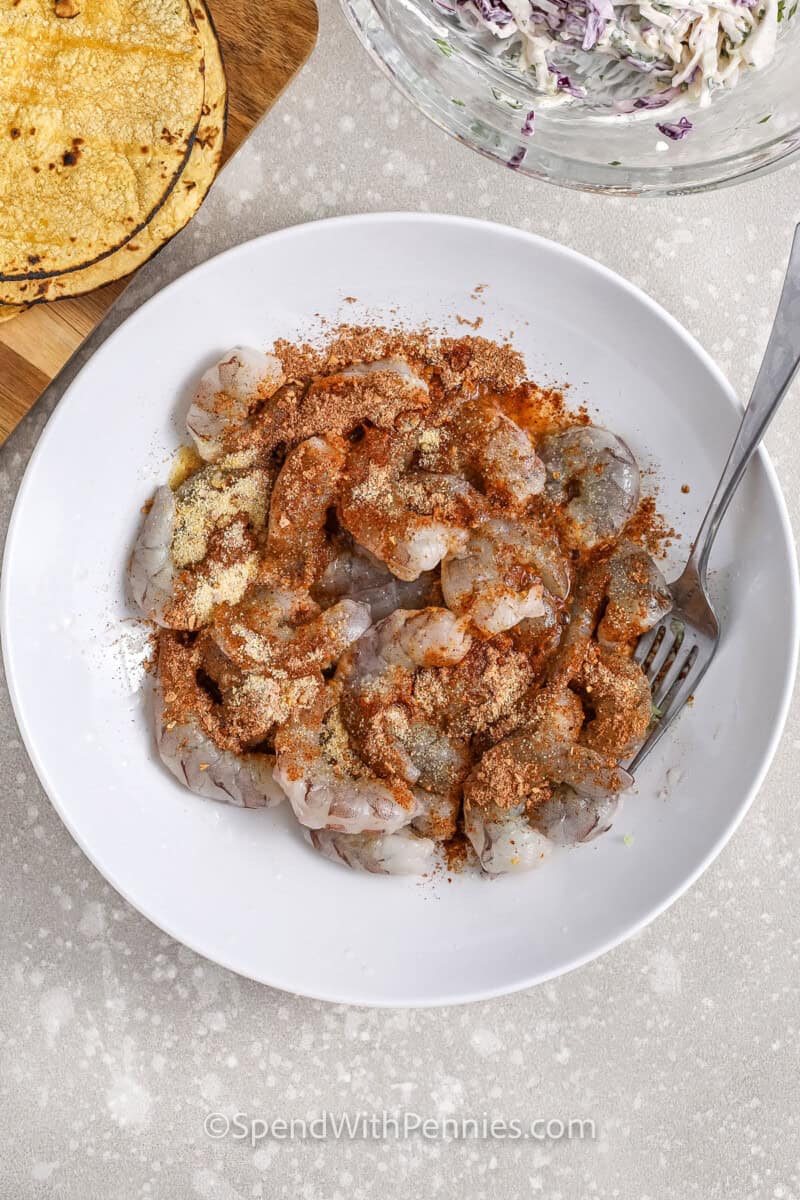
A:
625	55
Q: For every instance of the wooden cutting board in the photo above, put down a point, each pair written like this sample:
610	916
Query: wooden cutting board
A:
264	44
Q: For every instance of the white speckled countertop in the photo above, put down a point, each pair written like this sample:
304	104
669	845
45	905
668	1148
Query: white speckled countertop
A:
682	1046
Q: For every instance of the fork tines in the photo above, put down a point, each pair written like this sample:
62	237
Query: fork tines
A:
670	656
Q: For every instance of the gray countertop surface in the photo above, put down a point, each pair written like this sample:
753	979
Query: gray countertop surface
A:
682	1045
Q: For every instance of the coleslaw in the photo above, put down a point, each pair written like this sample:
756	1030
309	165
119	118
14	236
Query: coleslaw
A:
626	55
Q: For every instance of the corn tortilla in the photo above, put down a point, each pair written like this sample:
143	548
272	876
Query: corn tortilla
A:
7	311
98	117
184	199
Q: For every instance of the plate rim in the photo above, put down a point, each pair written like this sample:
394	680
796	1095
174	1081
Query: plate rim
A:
242	249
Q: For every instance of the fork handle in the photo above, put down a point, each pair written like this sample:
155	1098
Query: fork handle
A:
781	360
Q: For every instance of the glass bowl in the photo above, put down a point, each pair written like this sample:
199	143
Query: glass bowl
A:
471	94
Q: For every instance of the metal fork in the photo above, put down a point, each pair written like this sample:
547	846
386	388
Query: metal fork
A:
677	653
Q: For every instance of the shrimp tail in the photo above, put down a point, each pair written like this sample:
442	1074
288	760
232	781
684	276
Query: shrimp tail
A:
151	573
227	393
401	853
245	780
504	839
568	819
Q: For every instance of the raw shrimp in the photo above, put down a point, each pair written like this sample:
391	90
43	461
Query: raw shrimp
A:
509	795
226	395
377	677
151	573
401	853
428	637
437	815
409	519
192	739
358	575
499	577
328	786
275	628
586	603
561	651
614	689
199	544
242	779
567	818
635	596
594	475
304	491
638	597
492	451
504	838
384	366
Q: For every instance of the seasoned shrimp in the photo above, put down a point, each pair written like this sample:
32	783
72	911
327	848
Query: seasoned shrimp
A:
492	451
398	367
538	638
304	491
226	395
247	706
381	394
356	574
567	818
328	785
239	710
279	629
408	519
403	592
429	637
523	765
474	694
199	544
401	853
382	377
377	677
378	392
193	738
499	578
594	475
638	597
618	693
585	605
510	800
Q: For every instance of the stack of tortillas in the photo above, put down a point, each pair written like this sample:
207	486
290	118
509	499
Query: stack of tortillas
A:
112	119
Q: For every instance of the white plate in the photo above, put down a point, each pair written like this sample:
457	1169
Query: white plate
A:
242	887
